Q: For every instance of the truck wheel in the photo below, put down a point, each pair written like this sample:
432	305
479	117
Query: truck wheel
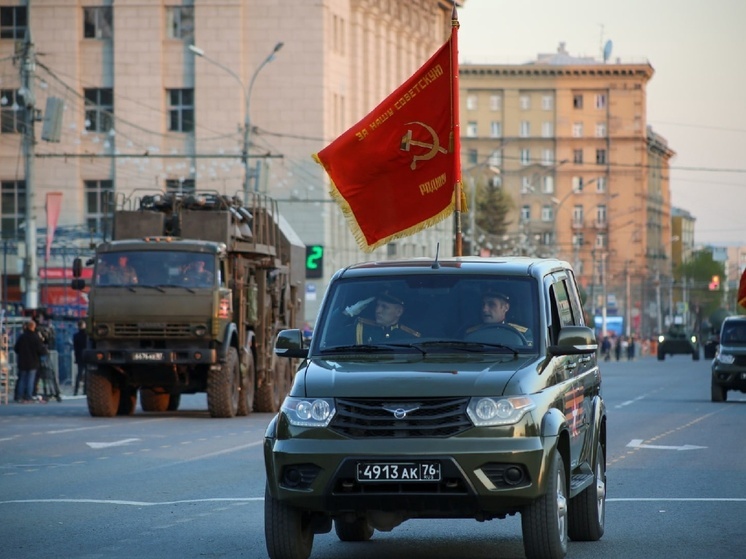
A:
544	522
223	387
695	355
287	530
127	401
719	393
173	402
248	388
356	531
661	355
269	397
587	511
102	394
153	399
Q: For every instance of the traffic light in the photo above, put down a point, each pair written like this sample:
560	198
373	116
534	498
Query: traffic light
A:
715	283
314	261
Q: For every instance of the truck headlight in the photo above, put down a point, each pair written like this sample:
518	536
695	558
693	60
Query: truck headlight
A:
485	412
102	330
726	358
304	412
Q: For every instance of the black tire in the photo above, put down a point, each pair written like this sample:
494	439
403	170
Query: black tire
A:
287	530
223	387
356	531
102	395
127	401
695	355
544	522
719	393
173	402
587	511
270	395
153	399
661	355
248	388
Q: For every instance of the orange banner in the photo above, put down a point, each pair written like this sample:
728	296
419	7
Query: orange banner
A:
54	205
393	173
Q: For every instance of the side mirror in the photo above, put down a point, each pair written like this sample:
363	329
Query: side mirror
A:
575	340
78	284
289	343
77	268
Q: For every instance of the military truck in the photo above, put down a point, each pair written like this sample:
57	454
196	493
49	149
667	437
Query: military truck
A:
188	297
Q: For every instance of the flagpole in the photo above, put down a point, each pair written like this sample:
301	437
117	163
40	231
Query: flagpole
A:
455	129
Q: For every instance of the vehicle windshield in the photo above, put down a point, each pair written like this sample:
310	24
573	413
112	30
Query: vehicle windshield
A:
428	313
734	334
155	269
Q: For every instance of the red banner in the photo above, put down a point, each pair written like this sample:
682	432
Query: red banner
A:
54	205
742	290
394	172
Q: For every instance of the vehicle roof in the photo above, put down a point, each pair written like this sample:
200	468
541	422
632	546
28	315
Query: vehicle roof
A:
509	265
160	243
740	318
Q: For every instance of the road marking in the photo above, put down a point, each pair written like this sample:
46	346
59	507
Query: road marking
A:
115	443
638	443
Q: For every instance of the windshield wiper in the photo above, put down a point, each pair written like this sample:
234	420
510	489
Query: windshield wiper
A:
159	286
358	348
464	346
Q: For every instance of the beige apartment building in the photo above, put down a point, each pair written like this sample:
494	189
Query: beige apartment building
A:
265	84
567	139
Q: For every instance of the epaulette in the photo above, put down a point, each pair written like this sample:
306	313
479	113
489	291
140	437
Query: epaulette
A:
409	330
521	329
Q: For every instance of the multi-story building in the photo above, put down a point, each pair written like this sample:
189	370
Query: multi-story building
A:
265	84
567	139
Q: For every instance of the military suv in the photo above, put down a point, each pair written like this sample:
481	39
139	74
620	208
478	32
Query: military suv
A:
729	364
678	341
463	388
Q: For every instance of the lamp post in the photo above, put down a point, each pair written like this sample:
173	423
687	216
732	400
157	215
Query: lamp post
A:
246	116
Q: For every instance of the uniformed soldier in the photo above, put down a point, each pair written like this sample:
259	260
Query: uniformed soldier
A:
386	326
495	307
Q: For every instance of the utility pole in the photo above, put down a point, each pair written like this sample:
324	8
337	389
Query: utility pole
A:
26	92
603	292
628	302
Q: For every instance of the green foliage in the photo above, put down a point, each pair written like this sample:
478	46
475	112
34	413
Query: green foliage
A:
698	273
493	207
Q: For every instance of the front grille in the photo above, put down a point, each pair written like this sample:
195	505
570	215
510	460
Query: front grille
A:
152	331
740	360
429	418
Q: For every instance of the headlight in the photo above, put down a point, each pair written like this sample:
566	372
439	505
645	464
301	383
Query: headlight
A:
200	330
308	413
660	339
726	358
694	339
102	330
498	411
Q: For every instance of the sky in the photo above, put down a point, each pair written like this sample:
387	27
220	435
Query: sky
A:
696	99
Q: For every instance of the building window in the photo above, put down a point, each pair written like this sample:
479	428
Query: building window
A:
99	206
601	240
577	215
99	109
601	130
525	130
548	185
471	129
525	102
577	184
547	213
526	185
180	22
180	186
547	129
601	101
577	156
547	157
471	102
601	184
495	102
181	110
496	158
601	156
577	130
496	129
547	102
98	22
525	213
601	214
577	239
12	113
13	22
13	194
525	156
472	156
577	101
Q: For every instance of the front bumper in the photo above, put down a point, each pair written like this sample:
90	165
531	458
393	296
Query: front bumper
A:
482	477
152	357
732	377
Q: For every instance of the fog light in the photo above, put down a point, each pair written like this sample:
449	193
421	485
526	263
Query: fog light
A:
513	475
291	477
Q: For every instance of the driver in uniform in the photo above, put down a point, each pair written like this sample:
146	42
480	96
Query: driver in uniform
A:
386	326
495	307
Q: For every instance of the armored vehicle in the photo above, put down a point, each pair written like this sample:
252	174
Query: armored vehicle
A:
462	388
187	298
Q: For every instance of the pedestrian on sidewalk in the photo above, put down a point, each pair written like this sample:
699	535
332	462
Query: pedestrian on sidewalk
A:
80	343
29	349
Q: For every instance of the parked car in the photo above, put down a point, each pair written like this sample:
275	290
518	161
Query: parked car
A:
678	341
449	412
729	364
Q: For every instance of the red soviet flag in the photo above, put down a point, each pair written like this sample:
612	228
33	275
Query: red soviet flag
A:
394	172
742	290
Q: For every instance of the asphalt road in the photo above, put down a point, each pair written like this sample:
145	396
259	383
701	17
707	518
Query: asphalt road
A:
185	485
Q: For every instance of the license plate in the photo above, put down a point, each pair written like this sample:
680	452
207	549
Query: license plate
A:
147	356
398	471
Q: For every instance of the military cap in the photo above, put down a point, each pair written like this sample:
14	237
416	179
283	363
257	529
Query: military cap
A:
391	296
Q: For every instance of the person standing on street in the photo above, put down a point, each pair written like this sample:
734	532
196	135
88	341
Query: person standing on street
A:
46	375
29	348
80	342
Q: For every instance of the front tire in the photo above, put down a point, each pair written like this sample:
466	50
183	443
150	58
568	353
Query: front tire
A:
103	394
695	355
661	355
719	393
287	530
356	531
587	511
544	521
223	387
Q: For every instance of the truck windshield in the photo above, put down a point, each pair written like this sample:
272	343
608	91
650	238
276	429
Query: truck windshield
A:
155	269
427	309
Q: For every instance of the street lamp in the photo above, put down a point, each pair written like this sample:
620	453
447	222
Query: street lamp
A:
246	116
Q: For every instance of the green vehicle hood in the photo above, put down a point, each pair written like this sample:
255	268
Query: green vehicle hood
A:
397	378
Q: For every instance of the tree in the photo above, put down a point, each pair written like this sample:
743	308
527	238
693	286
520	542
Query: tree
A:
697	273
493	207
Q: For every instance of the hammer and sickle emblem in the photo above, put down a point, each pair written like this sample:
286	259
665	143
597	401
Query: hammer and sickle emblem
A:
434	147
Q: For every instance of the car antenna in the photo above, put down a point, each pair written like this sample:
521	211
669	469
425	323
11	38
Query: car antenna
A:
436	264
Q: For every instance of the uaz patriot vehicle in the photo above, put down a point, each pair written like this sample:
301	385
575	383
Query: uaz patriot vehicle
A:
678	341
441	415
729	364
